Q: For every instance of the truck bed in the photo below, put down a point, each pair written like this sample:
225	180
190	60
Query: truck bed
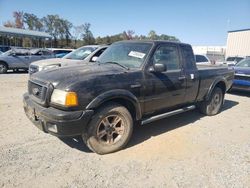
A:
209	74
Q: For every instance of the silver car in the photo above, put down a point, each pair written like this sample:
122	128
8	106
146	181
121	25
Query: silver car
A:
81	55
20	58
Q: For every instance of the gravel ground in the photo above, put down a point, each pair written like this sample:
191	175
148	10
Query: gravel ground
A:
187	150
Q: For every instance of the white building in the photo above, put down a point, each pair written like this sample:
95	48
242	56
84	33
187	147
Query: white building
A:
238	43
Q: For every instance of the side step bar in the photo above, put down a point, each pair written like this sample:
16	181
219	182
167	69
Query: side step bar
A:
168	114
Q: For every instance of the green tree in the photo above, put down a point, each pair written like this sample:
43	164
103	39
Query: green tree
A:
87	35
77	33
152	35
58	28
33	22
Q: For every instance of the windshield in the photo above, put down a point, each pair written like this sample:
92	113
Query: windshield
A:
7	52
237	59
128	54
243	63
80	53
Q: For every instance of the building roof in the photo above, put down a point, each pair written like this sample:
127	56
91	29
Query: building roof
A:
23	32
239	30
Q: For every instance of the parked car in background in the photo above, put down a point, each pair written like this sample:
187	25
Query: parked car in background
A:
59	52
202	60
4	48
81	55
242	75
20	58
231	61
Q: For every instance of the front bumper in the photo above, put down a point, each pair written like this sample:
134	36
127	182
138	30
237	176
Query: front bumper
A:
54	121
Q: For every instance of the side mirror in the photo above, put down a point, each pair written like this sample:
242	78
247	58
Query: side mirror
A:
158	67
94	58
40	53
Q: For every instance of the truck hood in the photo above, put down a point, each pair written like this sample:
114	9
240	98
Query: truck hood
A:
64	77
62	61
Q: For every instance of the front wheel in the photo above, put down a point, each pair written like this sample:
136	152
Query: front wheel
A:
214	103
109	130
3	68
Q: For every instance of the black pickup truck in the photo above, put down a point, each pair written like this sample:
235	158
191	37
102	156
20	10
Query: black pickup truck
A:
133	82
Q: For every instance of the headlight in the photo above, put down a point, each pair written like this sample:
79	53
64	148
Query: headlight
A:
51	66
64	98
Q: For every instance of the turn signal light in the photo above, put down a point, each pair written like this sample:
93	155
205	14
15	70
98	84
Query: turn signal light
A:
71	99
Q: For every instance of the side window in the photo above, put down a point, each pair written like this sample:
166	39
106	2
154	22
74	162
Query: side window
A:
167	55
188	56
45	52
97	54
200	58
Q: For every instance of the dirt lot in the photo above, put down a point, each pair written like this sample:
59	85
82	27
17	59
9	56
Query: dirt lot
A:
187	150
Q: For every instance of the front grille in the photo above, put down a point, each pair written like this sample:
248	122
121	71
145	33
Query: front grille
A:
33	69
37	91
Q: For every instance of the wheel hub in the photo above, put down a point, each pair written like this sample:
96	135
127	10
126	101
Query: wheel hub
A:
110	129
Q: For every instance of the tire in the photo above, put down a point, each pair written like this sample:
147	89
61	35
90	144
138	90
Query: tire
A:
3	68
214	103
109	130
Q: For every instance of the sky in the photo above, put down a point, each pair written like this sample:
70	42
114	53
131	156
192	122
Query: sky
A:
196	22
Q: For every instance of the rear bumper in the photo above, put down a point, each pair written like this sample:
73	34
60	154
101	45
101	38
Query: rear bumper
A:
54	121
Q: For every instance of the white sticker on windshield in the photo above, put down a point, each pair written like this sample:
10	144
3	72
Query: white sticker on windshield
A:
136	54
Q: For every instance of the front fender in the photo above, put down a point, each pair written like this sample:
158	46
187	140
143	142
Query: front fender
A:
116	94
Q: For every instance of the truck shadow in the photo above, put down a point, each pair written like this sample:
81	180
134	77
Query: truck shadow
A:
239	93
145	132
76	143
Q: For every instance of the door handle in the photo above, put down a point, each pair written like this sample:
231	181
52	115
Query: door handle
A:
182	78
135	85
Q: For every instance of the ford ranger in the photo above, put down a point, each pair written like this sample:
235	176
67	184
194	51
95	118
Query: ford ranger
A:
133	82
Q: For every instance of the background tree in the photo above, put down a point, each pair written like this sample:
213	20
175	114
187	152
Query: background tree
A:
128	35
63	31
32	22
18	16
58	28
152	35
87	35
77	33
9	24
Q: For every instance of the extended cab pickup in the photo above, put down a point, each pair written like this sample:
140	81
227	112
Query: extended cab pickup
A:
132	82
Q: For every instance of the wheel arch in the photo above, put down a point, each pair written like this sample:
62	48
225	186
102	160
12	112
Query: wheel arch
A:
119	96
221	83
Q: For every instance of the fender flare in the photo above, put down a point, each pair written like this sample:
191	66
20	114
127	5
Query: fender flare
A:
216	81
116	94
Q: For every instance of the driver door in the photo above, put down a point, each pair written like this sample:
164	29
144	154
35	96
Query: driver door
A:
165	89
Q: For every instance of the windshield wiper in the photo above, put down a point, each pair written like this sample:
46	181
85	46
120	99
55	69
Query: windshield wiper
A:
116	63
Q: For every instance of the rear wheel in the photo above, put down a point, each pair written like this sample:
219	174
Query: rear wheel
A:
3	68
213	105
109	130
